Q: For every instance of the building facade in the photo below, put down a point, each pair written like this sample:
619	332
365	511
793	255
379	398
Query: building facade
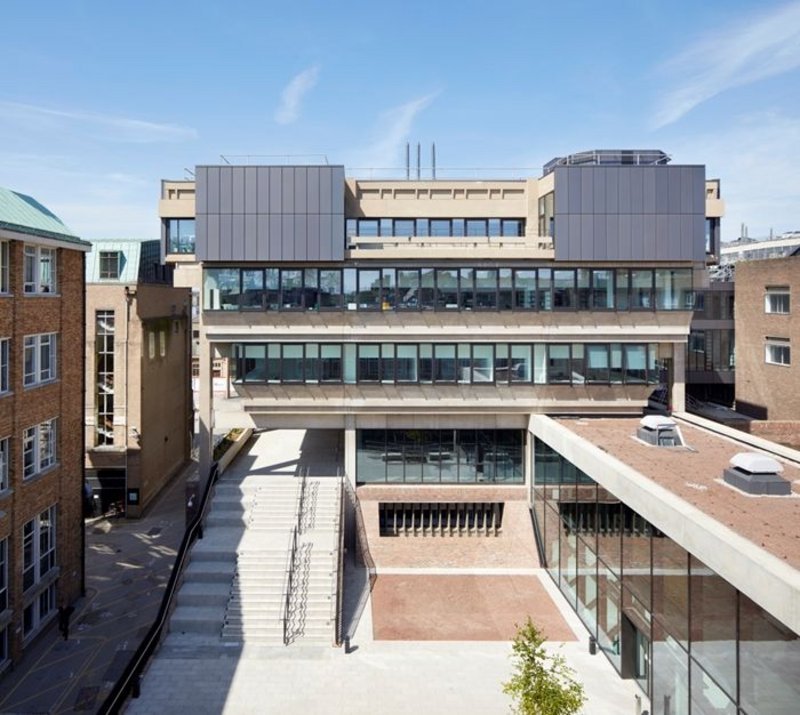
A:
41	426
138	407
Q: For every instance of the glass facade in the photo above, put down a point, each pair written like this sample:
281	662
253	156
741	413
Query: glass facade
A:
457	456
695	644
180	235
446	289
435	227
453	363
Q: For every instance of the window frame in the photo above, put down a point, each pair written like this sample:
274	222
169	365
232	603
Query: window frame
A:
5	275
40	373
109	265
782	344
39	448
782	293
34	281
5	366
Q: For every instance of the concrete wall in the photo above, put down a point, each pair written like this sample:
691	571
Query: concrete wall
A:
269	213
630	213
765	391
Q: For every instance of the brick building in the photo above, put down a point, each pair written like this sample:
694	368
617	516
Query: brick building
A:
138	401
767	373
41	422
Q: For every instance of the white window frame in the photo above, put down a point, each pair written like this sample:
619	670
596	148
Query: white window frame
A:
39	448
5	284
38	609
778	351
5	460
774	300
3	580
38	547
105	259
39	270
5	374
39	359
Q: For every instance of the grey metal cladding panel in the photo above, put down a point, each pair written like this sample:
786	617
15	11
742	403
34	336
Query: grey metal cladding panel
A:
226	189
637	188
200	190
237	237
686	190
312	190
662	243
213	190
324	239
212	248
624	182
287	188
638	239
287	237
574	192
699	190
599	187
337	189
300	190
275	191
561	242
301	238
675	252
649	191
561	188
251	237
586	249
237	192
613	245
624	249
612	192
599	248
662	190
251	190
337	234
201	236
316	251
275	230
588	177
325	188
226	237
674	190
698	252
574	247
262	243
262	204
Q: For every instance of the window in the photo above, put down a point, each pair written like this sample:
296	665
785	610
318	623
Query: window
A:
5	287
180	235
39	448
778	352
40	270
109	265
5	378
3	580
151	344
40	358
162	343
104	355
776	300
38	547
5	447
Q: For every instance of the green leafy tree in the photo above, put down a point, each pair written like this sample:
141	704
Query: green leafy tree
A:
542	683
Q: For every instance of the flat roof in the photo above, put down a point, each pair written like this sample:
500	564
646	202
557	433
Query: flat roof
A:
694	474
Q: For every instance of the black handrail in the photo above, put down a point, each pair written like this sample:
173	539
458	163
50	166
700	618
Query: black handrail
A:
289	586
129	681
340	564
537	541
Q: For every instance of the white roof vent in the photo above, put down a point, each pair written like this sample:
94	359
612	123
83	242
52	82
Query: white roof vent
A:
755	463
655	421
755	473
659	431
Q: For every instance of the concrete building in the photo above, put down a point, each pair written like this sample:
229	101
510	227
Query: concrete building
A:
138	407
444	329
41	434
767	376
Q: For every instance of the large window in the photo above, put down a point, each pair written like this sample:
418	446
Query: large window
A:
3	577
110	265
38	547
776	300
5	374
778	351
39	270
104	356
40	363
39	448
180	235
435	227
5	458
5	286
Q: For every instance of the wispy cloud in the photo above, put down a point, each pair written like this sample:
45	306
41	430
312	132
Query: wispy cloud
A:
102	126
740	54
301	84
394	126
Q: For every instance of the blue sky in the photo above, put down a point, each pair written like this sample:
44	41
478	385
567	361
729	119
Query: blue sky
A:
101	100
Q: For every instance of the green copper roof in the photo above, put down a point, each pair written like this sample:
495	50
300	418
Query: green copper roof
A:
25	214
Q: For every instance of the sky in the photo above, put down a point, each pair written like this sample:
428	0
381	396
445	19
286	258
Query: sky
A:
99	101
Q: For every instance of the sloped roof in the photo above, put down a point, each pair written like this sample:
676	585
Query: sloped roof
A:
24	214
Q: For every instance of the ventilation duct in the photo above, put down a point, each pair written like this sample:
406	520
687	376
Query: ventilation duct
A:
755	473
659	431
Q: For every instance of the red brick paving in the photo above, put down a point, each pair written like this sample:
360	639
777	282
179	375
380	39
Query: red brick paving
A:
462	608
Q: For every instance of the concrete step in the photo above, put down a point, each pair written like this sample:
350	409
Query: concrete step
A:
194	593
197	619
208	571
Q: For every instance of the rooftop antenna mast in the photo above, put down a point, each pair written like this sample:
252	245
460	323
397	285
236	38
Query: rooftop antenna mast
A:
433	160
408	161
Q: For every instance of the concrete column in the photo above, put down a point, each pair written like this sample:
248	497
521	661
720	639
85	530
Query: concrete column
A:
350	448
678	396
206	408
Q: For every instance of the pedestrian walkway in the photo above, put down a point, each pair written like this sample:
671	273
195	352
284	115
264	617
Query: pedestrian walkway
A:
128	563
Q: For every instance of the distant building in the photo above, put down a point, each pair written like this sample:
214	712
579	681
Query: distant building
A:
768	338
138	399
41	383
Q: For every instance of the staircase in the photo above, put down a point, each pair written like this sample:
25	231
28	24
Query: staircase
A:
237	589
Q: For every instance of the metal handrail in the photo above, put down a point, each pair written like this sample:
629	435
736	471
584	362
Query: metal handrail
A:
340	565
128	683
362	542
289	586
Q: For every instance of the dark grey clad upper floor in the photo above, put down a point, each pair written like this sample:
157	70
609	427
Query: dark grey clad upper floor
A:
630	213
269	213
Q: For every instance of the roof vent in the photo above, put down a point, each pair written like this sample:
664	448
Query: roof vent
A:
755	473
659	431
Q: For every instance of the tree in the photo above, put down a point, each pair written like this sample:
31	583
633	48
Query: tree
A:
542	683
